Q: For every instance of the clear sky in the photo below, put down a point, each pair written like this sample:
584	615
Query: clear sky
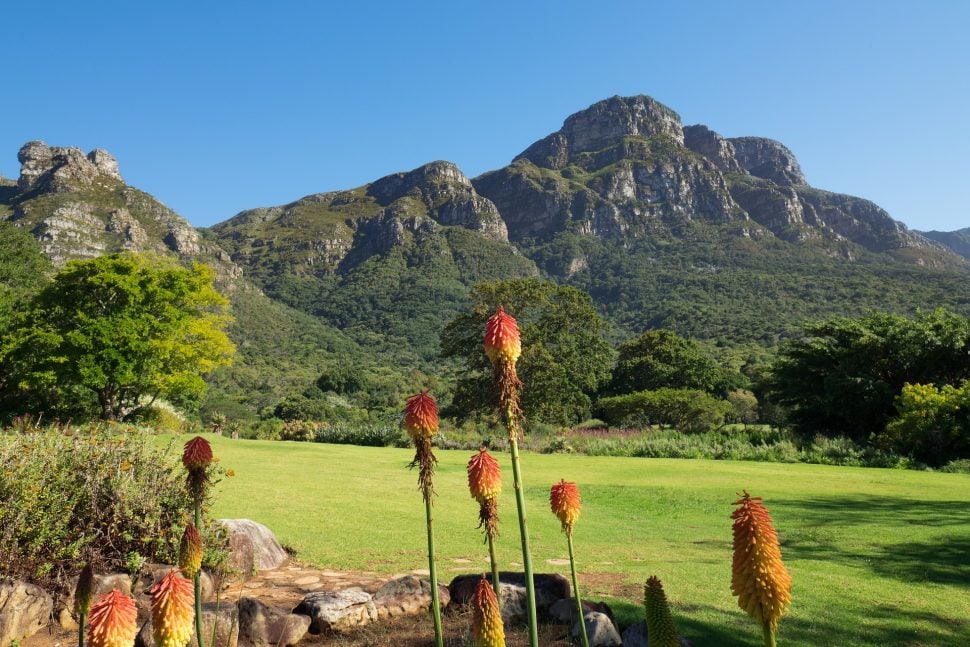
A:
215	107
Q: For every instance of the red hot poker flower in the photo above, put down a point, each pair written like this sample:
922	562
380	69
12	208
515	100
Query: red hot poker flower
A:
197	454
487	628
421	417
565	503
502	340
113	621
190	551
484	476
84	591
172	600
758	577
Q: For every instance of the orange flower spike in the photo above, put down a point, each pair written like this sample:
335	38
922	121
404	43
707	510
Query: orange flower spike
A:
421	417
172	601
113	621
190	551
758	578
484	477
565	503
502	340
487	628
197	454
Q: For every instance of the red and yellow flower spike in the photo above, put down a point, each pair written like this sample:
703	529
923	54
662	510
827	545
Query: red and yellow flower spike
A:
172	610
190	551
660	623
758	576
502	341
484	476
113	621
197	454
487	628
421	417
565	503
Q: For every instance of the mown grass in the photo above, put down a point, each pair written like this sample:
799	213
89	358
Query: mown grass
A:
878	557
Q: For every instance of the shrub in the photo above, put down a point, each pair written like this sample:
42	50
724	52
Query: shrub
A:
689	410
372	435
101	495
933	424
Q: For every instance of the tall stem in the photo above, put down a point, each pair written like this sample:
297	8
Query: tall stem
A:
579	603
524	533
496	584
769	636
197	579
439	640
80	629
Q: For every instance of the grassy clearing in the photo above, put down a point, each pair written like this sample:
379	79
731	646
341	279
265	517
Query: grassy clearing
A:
877	556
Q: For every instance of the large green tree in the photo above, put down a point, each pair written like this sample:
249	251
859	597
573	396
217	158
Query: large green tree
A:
663	359
843	376
122	330
564	356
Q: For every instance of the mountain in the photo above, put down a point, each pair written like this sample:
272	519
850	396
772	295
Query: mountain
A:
78	206
957	241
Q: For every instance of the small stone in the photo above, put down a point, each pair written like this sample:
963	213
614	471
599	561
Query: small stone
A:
599	629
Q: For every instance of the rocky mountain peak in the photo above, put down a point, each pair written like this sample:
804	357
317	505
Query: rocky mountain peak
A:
58	169
397	185
603	124
768	159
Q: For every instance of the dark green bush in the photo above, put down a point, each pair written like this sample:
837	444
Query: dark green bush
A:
101	495
933	424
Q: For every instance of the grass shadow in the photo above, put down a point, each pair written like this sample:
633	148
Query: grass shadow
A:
864	510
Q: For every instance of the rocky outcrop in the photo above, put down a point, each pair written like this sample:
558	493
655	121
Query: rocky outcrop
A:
704	141
768	159
264	626
60	170
24	610
956	241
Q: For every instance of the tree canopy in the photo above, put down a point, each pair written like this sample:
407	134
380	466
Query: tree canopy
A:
843	376
564	356
119	330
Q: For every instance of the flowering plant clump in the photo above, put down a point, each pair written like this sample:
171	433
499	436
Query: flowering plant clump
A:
660	623
172	610
758	576
113	621
487	628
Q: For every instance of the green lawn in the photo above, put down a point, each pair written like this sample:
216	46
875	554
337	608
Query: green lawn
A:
878	557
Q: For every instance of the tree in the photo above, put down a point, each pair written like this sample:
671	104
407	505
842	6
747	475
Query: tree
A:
564	356
843	376
933	424
124	329
663	359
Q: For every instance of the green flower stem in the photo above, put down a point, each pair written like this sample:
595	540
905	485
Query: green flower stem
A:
197	579
496	585
579	603
769	636
524	533
80	629
439	640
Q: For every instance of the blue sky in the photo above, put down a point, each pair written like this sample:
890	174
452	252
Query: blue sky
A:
217	107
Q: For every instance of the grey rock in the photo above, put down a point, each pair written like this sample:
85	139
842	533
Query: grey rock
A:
600	631
24	610
564	611
105	162
59	169
338	610
550	588
706	142
409	594
253	546
261	625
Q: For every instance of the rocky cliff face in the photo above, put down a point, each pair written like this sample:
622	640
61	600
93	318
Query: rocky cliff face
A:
625	169
78	206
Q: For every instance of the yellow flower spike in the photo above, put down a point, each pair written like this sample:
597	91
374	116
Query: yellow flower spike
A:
660	623
190	551
758	577
172	609
487	628
502	341
484	477
113	621
565	503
